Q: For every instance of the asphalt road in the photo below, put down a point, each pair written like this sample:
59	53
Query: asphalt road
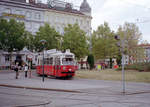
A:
91	93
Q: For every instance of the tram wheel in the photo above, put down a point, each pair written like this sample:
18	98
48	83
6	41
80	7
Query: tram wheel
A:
69	77
39	75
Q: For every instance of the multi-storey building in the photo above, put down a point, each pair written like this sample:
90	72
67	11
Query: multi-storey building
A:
30	14
146	49
57	13
140	54
34	14
60	17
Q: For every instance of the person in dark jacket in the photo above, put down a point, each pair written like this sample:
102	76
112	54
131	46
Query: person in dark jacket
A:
26	70
16	70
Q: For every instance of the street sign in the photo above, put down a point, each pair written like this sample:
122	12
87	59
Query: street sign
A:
29	56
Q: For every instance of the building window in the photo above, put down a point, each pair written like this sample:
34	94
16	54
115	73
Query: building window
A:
77	21
37	16
28	14
7	10
36	26
88	23
57	19
0	8
19	12
28	25
7	58
81	21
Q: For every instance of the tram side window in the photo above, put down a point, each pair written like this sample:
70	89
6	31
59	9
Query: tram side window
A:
51	61
67	61
48	61
38	62
57	61
41	62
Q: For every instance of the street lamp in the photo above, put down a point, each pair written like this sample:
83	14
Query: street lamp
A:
43	42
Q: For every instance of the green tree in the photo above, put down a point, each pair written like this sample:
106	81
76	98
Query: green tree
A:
103	42
12	35
75	40
130	33
90	61
30	41
50	35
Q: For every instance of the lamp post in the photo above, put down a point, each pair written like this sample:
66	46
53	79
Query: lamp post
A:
43	43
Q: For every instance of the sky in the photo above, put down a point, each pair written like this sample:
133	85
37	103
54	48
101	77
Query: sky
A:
117	12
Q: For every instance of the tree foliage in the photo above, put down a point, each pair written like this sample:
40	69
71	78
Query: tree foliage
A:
103	42
30	41
75	40
90	61
49	34
130	33
12	35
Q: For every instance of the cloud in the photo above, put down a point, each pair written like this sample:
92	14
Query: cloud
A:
116	12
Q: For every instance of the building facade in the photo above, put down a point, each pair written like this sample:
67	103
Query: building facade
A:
34	14
31	15
57	14
146	49
140	54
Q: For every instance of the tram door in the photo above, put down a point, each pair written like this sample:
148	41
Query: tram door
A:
57	66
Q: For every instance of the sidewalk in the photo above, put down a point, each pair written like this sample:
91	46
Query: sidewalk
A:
35	82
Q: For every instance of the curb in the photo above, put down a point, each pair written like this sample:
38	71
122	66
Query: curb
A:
41	104
34	88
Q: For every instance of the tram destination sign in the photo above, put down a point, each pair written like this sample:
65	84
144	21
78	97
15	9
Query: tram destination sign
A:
68	56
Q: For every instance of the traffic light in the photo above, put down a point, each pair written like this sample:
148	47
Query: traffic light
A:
118	43
117	37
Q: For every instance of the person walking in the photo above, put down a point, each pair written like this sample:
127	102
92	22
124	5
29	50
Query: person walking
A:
16	70
26	70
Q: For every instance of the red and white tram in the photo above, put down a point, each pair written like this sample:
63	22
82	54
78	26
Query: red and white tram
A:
57	63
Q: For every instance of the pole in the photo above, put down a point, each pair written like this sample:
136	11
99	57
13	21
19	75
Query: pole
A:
123	64
123	74
43	66
43	42
30	69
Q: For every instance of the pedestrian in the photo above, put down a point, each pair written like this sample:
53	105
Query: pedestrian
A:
99	67
26	70
16	70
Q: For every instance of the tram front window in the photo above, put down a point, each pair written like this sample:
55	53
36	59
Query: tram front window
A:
67	61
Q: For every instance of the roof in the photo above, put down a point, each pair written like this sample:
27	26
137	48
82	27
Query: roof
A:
85	7
144	45
43	6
